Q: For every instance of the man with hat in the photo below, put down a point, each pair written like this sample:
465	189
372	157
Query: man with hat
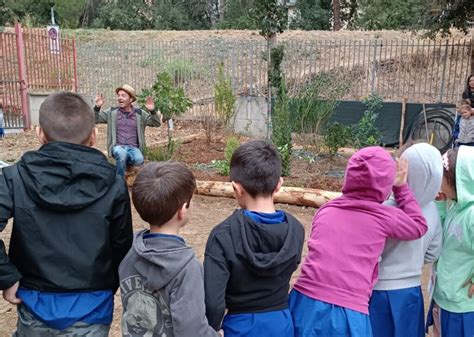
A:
126	127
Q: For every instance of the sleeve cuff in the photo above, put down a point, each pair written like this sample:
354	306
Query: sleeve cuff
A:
96	108
401	188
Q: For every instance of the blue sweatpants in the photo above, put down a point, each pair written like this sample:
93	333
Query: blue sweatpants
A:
272	323
397	313
457	324
313	318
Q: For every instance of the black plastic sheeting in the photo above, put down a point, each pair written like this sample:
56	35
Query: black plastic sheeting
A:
388	120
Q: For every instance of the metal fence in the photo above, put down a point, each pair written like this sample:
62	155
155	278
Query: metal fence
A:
10	97
419	70
48	68
28	63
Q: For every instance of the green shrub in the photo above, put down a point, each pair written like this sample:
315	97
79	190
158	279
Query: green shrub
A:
159	153
315	102
281	131
285	155
224	97
223	166
337	135
365	133
182	70
169	99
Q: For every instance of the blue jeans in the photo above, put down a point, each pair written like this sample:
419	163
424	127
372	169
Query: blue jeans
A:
125	156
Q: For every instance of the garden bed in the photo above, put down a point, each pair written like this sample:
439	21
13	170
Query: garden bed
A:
308	169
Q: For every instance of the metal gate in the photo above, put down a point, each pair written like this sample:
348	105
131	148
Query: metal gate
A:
29	63
10	96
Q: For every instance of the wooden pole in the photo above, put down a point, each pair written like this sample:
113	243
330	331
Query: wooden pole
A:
287	195
472	55
426	123
402	121
20	47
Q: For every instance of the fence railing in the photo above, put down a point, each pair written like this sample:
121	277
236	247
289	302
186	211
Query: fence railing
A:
419	70
9	81
49	70
28	63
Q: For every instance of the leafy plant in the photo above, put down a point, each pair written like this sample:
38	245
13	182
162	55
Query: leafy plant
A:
285	155
159	153
373	102
337	135
281	132
224	97
270	17
183	69
394	14
312	15
312	107
365	133
169	99
223	166
274	71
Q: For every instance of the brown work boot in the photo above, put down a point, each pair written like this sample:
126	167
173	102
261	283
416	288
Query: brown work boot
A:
130	174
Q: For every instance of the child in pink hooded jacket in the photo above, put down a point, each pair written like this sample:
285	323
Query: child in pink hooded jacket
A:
331	296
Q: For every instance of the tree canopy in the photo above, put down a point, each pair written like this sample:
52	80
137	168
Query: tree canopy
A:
433	15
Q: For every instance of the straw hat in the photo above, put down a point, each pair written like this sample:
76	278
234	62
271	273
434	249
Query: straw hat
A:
129	90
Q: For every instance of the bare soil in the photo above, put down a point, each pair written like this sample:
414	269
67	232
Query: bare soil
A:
291	35
319	172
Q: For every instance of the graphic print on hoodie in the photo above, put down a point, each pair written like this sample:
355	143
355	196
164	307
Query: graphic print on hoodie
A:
248	265
349	232
161	284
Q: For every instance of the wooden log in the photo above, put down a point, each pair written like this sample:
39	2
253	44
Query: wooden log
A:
179	140
287	195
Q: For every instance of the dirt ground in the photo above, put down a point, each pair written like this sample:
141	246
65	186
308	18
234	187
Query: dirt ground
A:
206	211
290	35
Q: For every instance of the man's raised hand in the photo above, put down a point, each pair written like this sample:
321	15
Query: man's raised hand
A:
99	100
149	103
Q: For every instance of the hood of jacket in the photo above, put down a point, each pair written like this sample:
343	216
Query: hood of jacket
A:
465	176
65	176
370	174
425	172
266	248
163	259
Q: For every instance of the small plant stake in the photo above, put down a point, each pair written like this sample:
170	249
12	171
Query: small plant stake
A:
402	121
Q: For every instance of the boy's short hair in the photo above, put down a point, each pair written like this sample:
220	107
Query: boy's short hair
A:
161	189
66	116
256	165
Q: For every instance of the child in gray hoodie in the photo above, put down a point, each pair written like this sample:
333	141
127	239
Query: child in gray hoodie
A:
396	306
161	281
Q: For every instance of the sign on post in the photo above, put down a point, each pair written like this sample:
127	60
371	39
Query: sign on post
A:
53	35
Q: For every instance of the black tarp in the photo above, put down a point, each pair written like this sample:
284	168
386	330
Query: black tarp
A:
388	121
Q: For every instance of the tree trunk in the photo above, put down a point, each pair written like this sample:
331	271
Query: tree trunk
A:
287	195
221	10
336	6
90	13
